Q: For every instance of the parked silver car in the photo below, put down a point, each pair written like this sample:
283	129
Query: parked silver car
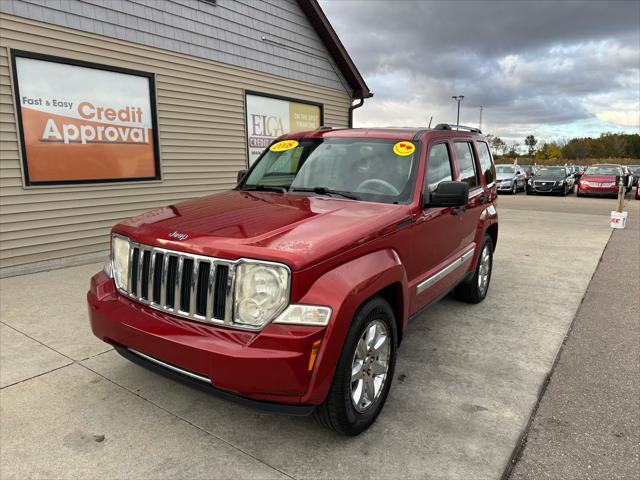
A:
510	179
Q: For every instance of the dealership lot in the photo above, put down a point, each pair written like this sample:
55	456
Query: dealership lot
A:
466	381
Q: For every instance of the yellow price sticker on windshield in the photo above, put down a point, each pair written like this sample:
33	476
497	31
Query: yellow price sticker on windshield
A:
404	149
283	146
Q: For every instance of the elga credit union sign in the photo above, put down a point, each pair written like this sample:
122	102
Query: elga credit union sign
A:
84	123
269	117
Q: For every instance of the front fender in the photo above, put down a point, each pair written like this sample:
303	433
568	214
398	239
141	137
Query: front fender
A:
344	289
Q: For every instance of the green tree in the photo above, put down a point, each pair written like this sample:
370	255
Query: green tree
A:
499	146
531	143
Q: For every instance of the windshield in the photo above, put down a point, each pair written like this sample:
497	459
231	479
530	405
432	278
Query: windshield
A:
634	168
603	170
551	172
358	168
505	169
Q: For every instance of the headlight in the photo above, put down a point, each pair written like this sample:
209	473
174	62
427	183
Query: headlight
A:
560	182
530	181
305	315
262	291
120	264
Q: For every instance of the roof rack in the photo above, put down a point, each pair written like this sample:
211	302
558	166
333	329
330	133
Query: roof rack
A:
448	126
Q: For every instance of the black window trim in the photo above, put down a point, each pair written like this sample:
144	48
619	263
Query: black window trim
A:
469	142
426	170
493	163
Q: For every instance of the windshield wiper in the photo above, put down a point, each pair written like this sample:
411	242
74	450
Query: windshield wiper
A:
326	191
264	188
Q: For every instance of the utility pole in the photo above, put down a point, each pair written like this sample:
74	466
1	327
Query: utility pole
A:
480	126
458	98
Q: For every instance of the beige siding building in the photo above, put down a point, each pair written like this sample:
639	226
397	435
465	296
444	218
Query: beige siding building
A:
202	57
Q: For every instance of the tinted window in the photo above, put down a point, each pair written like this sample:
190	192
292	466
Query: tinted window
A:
485	162
367	168
438	167
466	165
603	170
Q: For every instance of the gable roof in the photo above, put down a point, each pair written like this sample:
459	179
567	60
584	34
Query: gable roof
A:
332	42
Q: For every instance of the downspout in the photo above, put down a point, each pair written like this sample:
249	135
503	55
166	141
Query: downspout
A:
353	107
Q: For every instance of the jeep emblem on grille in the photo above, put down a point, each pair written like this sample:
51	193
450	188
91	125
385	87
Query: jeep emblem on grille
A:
176	235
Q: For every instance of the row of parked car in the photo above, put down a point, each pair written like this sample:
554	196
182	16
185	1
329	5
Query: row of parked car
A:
600	179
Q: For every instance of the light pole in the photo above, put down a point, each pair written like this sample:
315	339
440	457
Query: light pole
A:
480	125
458	98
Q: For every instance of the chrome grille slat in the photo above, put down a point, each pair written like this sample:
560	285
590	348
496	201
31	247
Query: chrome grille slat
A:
151	276
210	284
177	296
163	279
193	287
139	276
171	279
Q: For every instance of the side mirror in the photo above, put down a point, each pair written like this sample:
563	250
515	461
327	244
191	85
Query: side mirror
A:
449	194
241	175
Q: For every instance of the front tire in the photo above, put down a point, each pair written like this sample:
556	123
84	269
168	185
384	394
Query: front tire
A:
514	189
475	290
364	372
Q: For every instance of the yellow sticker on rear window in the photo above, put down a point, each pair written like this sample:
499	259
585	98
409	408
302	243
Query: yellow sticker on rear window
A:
283	146
404	149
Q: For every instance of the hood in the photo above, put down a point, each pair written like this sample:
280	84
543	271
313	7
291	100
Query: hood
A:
294	229
548	178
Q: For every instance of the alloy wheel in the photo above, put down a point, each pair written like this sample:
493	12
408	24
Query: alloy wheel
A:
370	365
484	270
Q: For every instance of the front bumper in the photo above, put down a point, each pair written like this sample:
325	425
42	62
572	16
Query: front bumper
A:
591	190
269	366
504	187
555	188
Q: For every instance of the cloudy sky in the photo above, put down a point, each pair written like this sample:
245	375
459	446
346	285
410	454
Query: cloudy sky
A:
556	69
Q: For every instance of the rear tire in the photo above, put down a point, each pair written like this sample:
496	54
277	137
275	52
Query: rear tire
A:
342	410
475	290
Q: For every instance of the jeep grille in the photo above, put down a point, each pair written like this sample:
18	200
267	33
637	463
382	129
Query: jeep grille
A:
183	284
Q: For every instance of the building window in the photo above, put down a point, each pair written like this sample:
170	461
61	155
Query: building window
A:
87	123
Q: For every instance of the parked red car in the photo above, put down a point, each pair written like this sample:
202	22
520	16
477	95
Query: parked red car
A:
600	180
293	291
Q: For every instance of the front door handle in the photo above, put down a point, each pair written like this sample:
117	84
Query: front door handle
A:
458	210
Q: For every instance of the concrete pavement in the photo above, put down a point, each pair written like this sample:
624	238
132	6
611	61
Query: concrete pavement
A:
467	379
587	425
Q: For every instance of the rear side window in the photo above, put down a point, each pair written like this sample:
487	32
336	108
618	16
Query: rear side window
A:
486	165
438	167
466	165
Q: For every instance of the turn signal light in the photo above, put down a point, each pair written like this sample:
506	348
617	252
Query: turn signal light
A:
314	354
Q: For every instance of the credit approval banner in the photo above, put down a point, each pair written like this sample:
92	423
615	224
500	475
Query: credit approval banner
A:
84	125
269	117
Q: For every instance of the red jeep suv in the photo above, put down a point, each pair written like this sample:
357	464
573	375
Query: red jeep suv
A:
292	292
